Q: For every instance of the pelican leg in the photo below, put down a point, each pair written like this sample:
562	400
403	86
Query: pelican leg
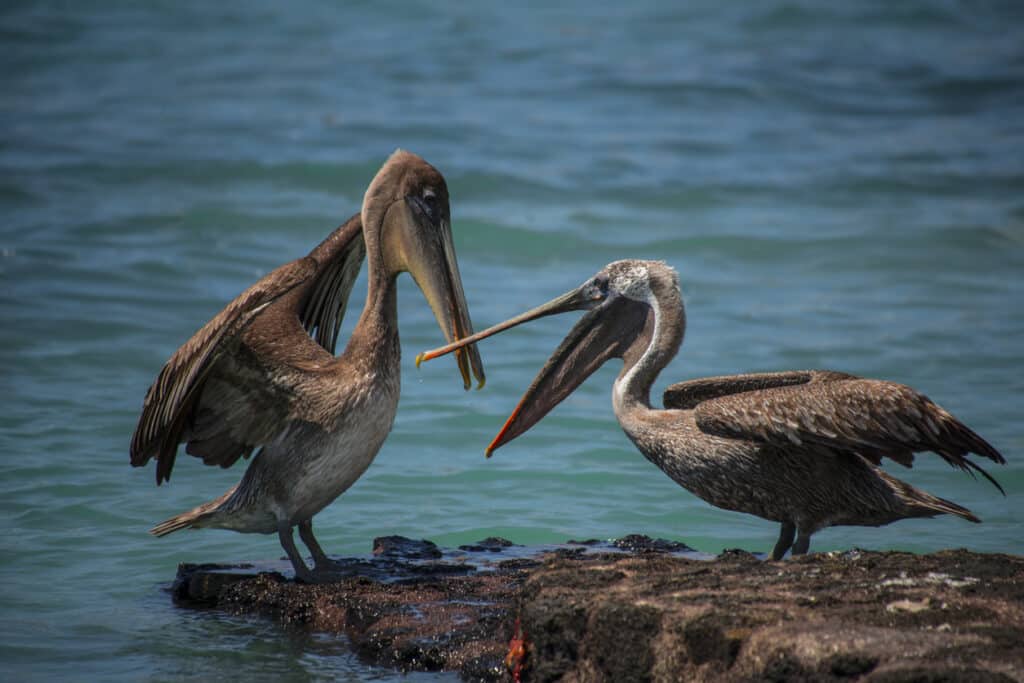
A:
803	542
786	536
284	534
306	534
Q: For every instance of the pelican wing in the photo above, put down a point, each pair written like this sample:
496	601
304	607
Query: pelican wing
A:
165	410
687	395
219	397
342	255
873	418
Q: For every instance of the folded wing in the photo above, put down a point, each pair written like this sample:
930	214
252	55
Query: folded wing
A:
873	418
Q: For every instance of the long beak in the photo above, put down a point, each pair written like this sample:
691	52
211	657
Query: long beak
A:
576	300
600	335
432	264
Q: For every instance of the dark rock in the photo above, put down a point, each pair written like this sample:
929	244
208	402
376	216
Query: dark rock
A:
555	630
922	675
738	555
483	668
783	667
201	584
596	613
405	548
435	569
620	640
638	543
491	544
847	665
519	563
568	552
713	637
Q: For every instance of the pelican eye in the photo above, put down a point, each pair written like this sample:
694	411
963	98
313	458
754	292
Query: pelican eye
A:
600	286
429	203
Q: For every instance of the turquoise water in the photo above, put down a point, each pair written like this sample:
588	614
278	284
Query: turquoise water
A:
838	188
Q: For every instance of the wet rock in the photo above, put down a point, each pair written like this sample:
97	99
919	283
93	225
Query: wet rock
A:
738	554
519	563
638	543
491	544
202	584
405	548
634	611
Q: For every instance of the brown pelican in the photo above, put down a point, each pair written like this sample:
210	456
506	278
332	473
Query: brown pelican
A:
263	374
801	448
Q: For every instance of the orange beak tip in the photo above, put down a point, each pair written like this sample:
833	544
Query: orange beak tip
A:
419	359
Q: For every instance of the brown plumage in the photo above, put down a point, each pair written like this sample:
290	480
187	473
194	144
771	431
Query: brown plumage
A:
801	448
318	285
262	374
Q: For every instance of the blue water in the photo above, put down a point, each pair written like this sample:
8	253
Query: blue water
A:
839	188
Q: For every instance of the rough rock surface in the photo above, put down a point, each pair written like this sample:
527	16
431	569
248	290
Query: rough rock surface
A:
644	610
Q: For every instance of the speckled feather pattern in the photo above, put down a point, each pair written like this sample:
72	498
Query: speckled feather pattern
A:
801	448
814	486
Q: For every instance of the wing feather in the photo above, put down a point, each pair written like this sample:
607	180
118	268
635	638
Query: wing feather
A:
165	406
342	255
687	395
220	396
871	417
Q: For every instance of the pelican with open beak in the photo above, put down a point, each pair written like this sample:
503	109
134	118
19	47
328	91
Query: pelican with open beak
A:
262	374
802	448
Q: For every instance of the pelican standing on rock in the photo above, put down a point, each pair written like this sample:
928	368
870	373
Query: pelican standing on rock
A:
263	374
801	448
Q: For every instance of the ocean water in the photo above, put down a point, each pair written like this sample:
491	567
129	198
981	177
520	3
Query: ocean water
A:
838	187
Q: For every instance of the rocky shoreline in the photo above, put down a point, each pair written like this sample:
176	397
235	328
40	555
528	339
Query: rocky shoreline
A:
639	609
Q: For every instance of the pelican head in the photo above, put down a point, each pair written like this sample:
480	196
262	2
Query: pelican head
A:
623	301
407	228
